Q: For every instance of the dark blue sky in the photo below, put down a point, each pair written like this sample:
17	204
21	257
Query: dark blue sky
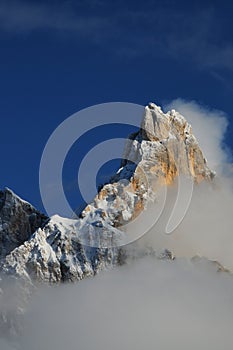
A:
58	57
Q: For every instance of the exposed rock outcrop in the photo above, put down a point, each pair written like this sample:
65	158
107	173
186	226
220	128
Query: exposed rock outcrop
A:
156	155
18	221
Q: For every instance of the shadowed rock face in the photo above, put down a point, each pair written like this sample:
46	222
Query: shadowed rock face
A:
161	150
18	220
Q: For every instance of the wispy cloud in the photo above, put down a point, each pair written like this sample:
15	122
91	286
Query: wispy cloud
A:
181	34
224	80
21	16
184	35
199	45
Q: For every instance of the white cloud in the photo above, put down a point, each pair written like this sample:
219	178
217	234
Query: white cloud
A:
24	16
150	304
180	34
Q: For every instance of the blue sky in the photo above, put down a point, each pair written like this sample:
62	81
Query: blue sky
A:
58	57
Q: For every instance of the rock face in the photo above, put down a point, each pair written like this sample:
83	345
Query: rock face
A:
18	221
54	254
162	149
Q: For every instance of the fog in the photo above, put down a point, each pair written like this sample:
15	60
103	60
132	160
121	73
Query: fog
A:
150	303
146	305
206	229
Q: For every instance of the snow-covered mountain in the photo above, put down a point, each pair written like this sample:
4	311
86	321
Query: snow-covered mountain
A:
39	249
35	249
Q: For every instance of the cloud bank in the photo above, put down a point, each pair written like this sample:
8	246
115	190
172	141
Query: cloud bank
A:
149	304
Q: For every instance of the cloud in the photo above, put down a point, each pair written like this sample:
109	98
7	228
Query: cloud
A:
143	305
23	16
224	79
199	38
5	345
193	35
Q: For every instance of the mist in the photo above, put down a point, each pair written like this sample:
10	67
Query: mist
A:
206	229
144	305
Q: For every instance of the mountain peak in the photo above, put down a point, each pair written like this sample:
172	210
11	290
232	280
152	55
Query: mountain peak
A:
37	249
162	149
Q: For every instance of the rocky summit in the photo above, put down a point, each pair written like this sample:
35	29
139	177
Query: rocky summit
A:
38	249
163	149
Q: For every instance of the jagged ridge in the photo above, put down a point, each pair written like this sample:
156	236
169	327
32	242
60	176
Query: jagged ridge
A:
18	221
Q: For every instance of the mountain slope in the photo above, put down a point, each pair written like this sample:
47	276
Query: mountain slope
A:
54	254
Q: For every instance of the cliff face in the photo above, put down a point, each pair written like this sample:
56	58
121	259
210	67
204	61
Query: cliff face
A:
156	155
161	150
18	221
